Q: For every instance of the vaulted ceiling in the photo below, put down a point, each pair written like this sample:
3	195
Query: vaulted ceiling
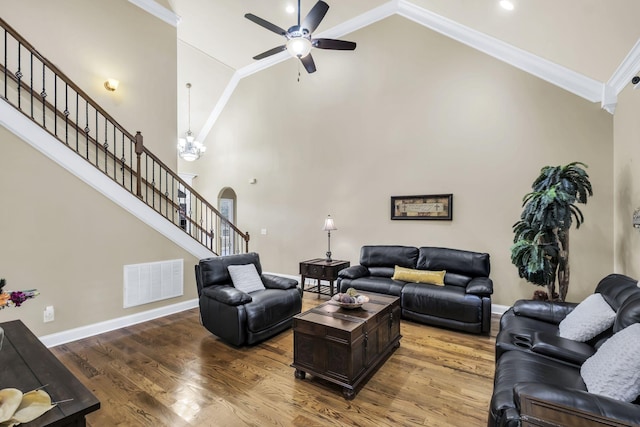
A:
588	47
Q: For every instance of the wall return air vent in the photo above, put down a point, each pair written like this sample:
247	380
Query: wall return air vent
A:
155	281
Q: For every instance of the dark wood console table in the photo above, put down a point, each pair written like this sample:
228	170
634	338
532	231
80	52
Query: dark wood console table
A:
321	269
27	365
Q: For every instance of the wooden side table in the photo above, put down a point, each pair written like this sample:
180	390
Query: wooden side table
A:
321	269
28	365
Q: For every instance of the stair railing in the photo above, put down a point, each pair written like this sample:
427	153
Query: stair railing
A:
43	93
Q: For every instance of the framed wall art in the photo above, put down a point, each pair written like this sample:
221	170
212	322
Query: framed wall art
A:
434	206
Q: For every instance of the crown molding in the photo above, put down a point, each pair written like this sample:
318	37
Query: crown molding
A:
628	68
157	10
551	72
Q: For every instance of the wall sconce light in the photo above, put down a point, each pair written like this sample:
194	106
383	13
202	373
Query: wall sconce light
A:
111	84
329	226
636	219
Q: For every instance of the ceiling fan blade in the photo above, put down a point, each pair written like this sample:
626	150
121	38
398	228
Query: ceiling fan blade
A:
266	24
308	63
315	16
333	44
271	52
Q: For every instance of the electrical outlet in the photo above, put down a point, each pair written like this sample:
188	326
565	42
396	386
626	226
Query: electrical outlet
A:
263	231
49	314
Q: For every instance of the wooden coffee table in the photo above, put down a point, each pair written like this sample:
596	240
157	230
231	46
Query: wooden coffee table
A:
345	345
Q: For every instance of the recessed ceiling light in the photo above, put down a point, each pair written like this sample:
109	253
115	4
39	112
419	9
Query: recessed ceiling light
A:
506	4
290	8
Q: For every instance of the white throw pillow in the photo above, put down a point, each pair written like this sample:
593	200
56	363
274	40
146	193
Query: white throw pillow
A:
588	319
614	370
245	278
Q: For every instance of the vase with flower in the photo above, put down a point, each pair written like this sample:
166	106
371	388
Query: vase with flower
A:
13	299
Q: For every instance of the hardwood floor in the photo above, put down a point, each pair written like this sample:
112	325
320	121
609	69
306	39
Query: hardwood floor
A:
173	372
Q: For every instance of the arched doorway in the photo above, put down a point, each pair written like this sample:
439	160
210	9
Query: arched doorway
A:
227	202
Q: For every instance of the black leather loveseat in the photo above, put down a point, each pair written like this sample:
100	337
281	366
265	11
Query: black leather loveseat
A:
463	303
533	360
242	318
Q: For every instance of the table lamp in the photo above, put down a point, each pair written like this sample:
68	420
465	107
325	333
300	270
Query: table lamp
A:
329	226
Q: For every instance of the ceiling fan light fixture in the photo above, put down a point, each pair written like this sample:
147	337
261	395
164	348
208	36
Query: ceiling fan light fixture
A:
299	47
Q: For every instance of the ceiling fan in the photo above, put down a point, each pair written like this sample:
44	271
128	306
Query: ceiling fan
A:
299	40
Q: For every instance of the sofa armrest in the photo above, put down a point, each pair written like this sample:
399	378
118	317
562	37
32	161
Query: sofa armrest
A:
547	311
482	286
581	406
227	295
353	272
278	282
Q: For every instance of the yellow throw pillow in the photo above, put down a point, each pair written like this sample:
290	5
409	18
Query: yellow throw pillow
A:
419	276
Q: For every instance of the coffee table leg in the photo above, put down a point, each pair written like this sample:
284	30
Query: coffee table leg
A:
299	374
348	393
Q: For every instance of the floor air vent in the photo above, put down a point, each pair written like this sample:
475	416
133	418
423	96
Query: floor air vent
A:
154	281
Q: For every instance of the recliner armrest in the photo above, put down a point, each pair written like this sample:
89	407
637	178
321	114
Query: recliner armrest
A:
547	311
227	295
272	281
581	400
480	286
354	272
555	346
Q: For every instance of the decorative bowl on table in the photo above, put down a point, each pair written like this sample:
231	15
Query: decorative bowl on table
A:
350	299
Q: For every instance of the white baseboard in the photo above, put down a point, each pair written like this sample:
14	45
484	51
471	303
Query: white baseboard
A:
499	309
75	334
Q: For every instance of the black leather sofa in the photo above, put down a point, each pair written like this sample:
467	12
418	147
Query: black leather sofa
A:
463	303
241	318
533	360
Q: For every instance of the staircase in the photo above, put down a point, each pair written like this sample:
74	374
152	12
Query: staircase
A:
33	86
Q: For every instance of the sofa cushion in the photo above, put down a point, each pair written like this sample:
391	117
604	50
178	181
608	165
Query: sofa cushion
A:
614	371
380	285
465	263
388	256
519	367
245	278
213	271
447	302
591	317
419	276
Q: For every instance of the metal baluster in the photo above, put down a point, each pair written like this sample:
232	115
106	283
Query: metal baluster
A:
43	94
19	76
55	103
31	83
66	113
77	124
87	129
5	64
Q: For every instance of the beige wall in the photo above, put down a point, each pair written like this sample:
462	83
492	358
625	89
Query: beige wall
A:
626	185
409	112
62	237
58	234
91	41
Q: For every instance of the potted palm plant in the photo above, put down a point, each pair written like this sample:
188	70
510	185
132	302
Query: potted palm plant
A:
540	248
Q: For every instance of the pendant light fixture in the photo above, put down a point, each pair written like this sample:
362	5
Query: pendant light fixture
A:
188	148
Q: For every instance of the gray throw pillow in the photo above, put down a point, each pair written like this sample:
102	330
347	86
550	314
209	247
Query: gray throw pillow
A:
614	370
245	278
588	319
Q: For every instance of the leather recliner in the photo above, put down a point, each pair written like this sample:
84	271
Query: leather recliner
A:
241	318
463	303
533	360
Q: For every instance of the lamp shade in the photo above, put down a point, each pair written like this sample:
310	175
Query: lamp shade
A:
329	224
